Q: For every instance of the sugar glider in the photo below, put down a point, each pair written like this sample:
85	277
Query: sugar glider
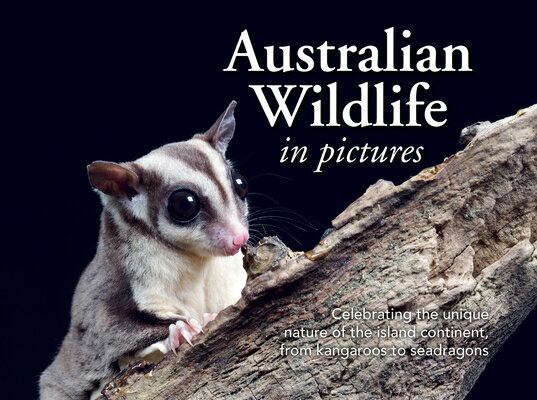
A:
168	259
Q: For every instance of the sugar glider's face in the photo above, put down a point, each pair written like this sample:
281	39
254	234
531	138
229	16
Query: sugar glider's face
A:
192	197
185	195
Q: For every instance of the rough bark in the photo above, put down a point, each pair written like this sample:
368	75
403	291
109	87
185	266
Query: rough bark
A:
460	236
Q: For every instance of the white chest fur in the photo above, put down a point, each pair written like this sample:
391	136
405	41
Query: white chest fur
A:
175	287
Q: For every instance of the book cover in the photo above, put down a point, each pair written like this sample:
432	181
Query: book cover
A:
330	100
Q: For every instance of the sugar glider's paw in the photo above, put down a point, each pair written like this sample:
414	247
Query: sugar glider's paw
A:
182	332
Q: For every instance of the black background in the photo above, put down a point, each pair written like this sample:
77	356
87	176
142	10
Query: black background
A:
113	83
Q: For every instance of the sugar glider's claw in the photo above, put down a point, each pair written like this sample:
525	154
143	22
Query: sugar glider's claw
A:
173	338
184	330
194	324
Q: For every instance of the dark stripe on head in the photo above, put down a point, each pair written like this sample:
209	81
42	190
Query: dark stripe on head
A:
197	160
133	222
154	186
141	227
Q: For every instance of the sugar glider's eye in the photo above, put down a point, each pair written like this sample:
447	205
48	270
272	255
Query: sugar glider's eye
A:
183	205
241	186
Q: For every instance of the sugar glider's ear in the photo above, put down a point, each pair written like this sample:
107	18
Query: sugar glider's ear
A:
113	179
222	130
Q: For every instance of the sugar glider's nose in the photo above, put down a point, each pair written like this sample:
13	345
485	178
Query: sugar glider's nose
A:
231	238
240	239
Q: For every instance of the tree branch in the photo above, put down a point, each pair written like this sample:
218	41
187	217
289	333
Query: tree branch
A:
460	236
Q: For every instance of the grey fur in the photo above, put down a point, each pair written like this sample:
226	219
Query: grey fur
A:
105	325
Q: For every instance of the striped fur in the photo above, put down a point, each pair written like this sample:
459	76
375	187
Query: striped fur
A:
150	270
